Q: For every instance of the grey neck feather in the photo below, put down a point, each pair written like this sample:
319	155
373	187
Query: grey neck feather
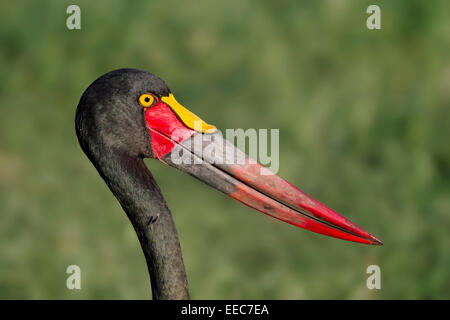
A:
140	197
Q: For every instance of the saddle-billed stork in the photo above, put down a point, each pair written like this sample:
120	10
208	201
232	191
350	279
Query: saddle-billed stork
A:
127	115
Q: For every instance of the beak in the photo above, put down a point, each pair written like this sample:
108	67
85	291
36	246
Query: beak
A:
202	152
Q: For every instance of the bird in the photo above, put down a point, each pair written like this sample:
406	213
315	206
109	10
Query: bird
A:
127	115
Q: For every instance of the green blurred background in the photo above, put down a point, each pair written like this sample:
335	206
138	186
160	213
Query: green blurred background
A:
364	125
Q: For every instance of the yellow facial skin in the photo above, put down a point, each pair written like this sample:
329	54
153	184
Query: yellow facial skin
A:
189	119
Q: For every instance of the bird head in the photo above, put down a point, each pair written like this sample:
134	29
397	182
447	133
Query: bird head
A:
133	112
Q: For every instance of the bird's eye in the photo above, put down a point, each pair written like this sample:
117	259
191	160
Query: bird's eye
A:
146	100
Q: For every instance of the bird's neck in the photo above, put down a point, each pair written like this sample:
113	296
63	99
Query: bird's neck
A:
139	195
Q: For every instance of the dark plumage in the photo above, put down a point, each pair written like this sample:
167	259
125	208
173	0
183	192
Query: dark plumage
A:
111	129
